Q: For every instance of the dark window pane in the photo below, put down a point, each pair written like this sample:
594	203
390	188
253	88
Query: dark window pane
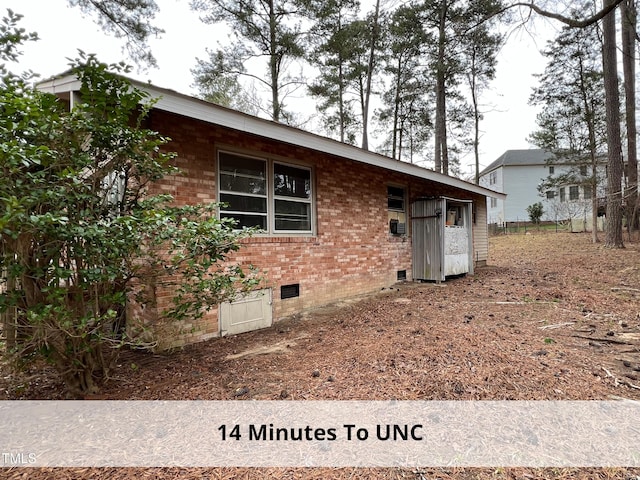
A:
395	198
395	204
240	203
243	184
395	192
573	193
238	165
259	221
293	216
291	181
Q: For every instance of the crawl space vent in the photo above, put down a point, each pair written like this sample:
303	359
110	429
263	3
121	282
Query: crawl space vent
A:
402	275
290	291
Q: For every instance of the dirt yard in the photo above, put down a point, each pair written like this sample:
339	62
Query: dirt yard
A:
553	317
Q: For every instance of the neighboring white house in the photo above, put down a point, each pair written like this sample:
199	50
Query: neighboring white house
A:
518	173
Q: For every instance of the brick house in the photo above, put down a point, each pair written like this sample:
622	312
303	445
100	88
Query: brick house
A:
337	219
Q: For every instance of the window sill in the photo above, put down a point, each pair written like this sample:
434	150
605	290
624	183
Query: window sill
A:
398	238
280	239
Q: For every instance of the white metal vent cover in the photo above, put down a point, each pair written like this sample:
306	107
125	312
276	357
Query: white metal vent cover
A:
252	311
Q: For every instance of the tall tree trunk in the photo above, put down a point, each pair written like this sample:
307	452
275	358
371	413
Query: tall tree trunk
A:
341	110
628	14
341	91
396	112
375	31
273	62
10	318
613	230
589	119
441	157
476	116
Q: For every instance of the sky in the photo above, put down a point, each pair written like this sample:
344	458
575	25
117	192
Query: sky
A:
63	30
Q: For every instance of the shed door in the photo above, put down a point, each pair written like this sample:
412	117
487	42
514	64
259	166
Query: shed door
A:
251	312
427	239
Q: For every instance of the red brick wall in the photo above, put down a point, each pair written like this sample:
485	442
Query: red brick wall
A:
352	251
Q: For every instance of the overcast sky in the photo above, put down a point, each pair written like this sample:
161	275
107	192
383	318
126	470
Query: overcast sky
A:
64	30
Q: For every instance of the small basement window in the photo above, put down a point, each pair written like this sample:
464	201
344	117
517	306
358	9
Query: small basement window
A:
290	291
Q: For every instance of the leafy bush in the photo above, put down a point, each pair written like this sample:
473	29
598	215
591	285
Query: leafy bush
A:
79	232
535	212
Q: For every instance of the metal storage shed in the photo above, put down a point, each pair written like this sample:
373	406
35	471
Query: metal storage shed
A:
442	238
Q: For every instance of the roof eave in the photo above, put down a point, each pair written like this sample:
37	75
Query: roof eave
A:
177	103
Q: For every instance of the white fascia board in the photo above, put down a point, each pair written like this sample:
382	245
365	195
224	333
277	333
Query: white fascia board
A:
194	108
180	104
64	84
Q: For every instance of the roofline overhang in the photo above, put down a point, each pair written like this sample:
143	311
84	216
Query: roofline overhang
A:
181	104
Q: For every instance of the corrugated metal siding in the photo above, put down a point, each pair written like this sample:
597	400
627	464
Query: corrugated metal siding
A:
427	240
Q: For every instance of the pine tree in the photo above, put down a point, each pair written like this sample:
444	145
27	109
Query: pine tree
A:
572	121
128	19
337	45
407	102
262	29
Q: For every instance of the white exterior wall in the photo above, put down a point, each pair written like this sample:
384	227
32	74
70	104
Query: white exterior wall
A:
520	183
521	186
579	209
495	214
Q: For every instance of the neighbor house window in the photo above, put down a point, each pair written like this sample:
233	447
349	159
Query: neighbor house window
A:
586	190
574	193
583	170
551	194
552	170
493	178
272	196
494	202
397	215
562	195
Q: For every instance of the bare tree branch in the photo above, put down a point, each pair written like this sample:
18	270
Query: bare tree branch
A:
572	22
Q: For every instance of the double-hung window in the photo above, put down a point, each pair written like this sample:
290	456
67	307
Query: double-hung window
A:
396	210
273	196
292	198
243	188
574	193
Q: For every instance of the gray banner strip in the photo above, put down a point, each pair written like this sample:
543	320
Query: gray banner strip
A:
320	433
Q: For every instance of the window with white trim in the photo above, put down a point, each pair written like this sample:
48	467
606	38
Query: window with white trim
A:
243	188
273	196
574	193
292	198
